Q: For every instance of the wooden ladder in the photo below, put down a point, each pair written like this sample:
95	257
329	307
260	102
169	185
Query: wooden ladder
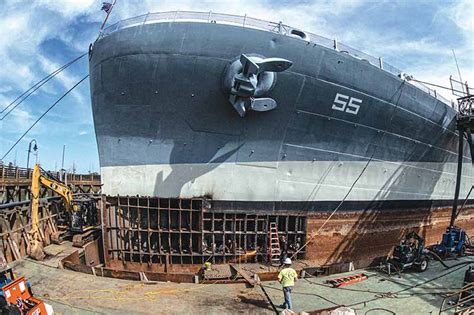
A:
340	282
274	251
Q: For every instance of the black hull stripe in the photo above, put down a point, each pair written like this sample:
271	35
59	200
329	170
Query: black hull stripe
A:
325	206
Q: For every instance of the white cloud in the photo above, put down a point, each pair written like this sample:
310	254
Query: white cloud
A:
5	88
21	119
461	14
68	8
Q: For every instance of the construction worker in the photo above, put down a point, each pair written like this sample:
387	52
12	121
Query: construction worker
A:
287	278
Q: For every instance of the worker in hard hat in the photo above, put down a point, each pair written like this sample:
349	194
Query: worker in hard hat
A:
287	278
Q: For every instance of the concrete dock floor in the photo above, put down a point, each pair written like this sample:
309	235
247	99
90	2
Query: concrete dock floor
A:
412	293
70	292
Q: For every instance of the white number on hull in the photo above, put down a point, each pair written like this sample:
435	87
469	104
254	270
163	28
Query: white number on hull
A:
346	104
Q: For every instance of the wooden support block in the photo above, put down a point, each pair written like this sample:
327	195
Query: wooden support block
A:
14	248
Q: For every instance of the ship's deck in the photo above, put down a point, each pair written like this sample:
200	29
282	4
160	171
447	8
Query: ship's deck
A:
249	22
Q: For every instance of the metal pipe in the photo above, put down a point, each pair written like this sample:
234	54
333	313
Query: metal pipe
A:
458	176
465	201
62	164
106	18
26	202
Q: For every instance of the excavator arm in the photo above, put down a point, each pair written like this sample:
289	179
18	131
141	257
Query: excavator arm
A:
36	247
58	188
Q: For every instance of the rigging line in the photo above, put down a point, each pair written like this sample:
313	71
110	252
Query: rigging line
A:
457	66
22	94
42	115
437	85
38	84
356	180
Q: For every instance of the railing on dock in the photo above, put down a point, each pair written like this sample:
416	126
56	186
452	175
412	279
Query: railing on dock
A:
15	183
9	172
460	301
279	28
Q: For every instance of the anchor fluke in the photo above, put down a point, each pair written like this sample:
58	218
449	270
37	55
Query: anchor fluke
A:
274	64
263	104
248	78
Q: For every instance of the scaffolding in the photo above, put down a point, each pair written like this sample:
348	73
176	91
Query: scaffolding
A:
465	125
152	230
15	224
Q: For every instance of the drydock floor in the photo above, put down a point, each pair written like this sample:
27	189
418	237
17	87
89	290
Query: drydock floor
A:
70	292
411	293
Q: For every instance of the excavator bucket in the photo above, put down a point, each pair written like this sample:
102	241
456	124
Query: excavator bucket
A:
36	250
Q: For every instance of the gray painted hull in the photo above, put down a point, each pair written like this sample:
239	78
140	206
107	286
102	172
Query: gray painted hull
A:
165	127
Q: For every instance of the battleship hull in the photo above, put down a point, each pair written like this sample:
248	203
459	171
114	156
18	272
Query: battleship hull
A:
165	126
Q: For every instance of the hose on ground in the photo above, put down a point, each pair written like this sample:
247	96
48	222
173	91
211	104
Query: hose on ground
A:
380	309
436	256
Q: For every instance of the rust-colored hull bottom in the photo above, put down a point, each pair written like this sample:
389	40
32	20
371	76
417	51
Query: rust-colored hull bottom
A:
362	236
358	237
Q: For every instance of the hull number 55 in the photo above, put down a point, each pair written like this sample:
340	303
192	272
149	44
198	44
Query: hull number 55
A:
346	104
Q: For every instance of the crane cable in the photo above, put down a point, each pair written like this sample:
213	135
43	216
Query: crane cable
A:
39	118
37	85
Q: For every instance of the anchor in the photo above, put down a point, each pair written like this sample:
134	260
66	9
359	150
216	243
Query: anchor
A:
251	77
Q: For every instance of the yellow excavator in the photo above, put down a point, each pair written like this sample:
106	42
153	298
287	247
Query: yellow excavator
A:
74	210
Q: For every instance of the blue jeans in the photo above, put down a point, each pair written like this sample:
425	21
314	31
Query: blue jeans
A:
287	294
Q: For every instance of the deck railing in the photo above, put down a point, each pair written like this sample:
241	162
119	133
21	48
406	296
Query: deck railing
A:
248	22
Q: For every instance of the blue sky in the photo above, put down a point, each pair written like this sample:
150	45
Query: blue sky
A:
39	36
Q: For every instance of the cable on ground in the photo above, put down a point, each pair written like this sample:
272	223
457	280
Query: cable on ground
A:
380	309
